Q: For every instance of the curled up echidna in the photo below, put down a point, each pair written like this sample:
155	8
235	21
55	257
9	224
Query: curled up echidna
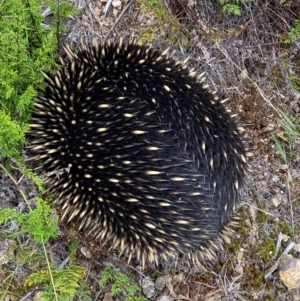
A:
149	157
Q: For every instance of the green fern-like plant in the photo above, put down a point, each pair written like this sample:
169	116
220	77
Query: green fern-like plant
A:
26	48
40	223
66	282
11	133
120	283
293	34
233	8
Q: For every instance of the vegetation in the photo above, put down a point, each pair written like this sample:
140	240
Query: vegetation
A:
120	283
293	34
27	46
41	225
287	137
233	7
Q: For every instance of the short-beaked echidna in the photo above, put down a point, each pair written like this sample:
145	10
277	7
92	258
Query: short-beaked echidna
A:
151	157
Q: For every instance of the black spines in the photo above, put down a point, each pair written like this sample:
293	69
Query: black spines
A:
152	158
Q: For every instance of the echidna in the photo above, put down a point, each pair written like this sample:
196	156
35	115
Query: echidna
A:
147	155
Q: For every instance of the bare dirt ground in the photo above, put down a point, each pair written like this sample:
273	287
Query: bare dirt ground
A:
244	60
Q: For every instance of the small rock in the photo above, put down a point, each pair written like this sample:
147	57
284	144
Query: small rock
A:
275	179
115	12
297	248
289	272
296	298
160	283
86	252
117	4
6	250
98	11
270	127
37	296
285	237
295	172
239	269
283	199
275	201
148	287
179	277
107	297
244	74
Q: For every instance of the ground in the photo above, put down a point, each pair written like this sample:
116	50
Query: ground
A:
244	59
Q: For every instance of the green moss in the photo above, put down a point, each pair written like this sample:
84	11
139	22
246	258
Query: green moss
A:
244	225
269	298
283	179
274	235
154	274
234	246
227	266
259	202
206	276
254	278
261	217
286	229
266	250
